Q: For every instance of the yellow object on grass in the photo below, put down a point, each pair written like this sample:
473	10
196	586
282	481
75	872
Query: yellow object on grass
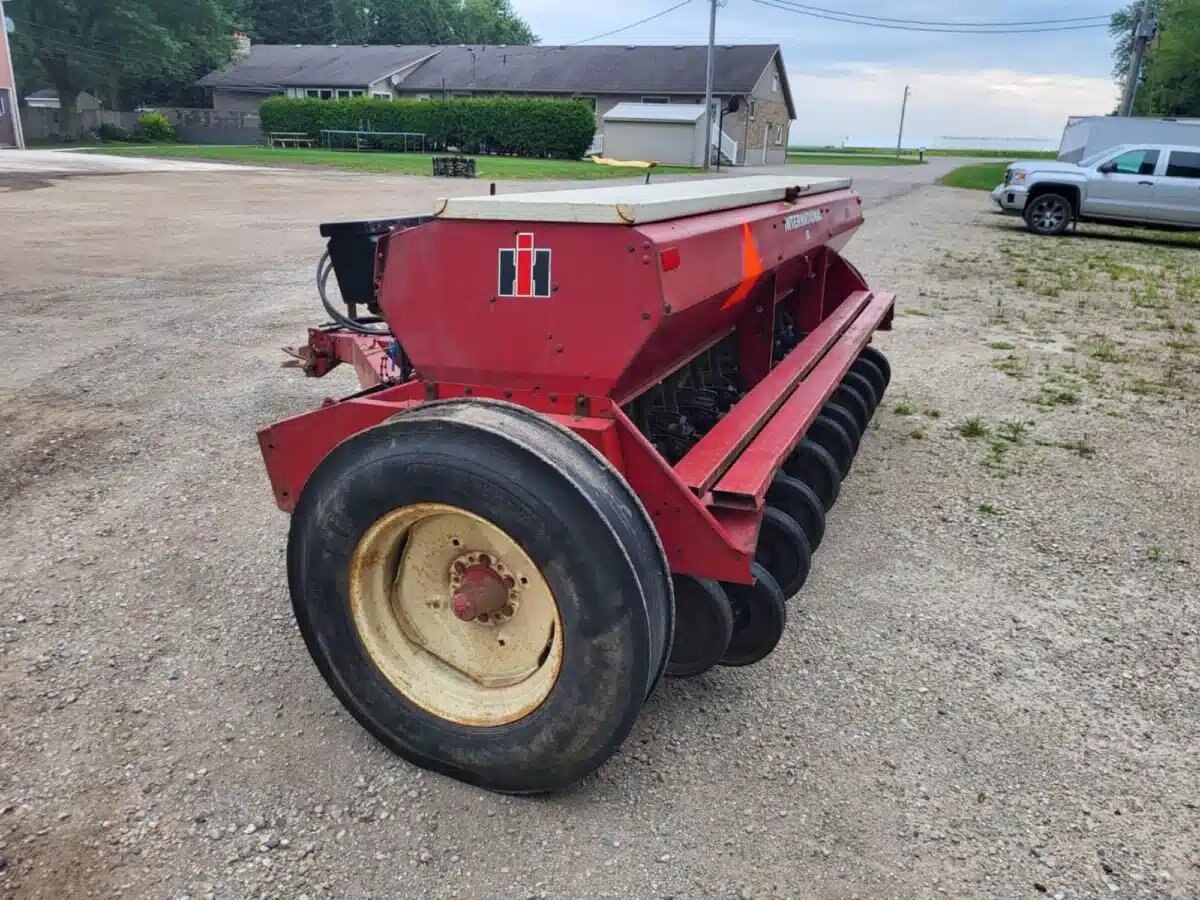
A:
623	163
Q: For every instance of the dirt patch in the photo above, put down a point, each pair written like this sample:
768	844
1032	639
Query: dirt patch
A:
49	436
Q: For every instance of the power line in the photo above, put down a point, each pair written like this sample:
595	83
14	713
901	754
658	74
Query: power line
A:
954	24
851	19
535	49
657	15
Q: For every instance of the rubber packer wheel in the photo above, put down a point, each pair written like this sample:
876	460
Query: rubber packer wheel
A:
846	419
385	507
872	373
830	435
703	626
874	355
797	499
783	550
850	399
759	618
812	464
864	387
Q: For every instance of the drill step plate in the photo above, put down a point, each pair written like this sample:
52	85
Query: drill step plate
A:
636	204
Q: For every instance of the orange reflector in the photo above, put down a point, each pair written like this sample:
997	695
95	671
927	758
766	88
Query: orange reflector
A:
670	259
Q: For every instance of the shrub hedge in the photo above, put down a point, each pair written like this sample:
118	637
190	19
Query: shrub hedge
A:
560	129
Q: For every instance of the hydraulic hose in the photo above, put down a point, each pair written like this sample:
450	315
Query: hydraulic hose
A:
324	267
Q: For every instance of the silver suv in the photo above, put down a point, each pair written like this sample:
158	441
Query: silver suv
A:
1139	184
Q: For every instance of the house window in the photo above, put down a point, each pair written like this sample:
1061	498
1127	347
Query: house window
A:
346	94
590	101
775	83
3	108
319	94
656	98
750	104
779	132
422	97
461	95
380	95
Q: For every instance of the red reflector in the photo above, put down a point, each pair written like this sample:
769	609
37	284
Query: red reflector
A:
670	259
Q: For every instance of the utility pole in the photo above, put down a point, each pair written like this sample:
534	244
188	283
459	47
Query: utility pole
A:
18	133
903	110
1141	38
708	89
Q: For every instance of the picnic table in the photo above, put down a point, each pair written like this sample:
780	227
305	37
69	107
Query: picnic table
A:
289	139
362	137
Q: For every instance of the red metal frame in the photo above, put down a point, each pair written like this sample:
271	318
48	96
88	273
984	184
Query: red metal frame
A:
628	306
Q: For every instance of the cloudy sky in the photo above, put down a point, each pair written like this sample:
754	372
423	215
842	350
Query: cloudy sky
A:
848	79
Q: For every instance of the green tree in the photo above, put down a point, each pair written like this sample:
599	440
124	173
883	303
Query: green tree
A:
446	22
296	21
112	47
1171	80
490	22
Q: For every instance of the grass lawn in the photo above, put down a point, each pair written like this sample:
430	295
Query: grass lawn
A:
498	167
806	158
885	151
977	177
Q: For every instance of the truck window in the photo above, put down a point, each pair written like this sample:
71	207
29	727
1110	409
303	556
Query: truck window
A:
1183	164
1136	162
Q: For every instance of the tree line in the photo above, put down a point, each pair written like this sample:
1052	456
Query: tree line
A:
131	53
1170	82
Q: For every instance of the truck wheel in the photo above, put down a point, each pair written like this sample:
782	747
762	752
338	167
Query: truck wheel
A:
434	588
1048	214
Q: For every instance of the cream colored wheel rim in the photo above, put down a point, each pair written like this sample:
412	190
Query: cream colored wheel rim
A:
490	670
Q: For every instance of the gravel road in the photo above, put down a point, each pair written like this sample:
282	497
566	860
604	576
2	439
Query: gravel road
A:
990	686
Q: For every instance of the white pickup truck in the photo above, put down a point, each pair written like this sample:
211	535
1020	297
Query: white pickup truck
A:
1136	184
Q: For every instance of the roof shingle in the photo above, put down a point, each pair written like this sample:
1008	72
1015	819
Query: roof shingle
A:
610	69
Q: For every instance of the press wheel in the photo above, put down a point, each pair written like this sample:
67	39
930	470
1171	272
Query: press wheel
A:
759	618
846	419
812	464
703	626
783	550
797	499
830	435
876	356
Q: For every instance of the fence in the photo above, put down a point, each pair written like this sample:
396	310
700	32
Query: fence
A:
45	124
193	126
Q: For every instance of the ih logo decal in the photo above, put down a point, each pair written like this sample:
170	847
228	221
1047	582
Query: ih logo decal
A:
525	271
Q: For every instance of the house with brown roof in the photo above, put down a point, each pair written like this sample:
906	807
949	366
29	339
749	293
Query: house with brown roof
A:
601	75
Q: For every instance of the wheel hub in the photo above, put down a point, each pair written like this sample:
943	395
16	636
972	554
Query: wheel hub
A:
484	590
455	614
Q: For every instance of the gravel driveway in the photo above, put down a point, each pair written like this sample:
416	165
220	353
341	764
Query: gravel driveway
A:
990	686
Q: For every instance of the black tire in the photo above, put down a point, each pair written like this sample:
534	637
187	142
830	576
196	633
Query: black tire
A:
703	626
846	419
830	435
848	398
632	520
873	354
864	387
783	550
1049	214
799	501
812	464
759	618
535	482
872	373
